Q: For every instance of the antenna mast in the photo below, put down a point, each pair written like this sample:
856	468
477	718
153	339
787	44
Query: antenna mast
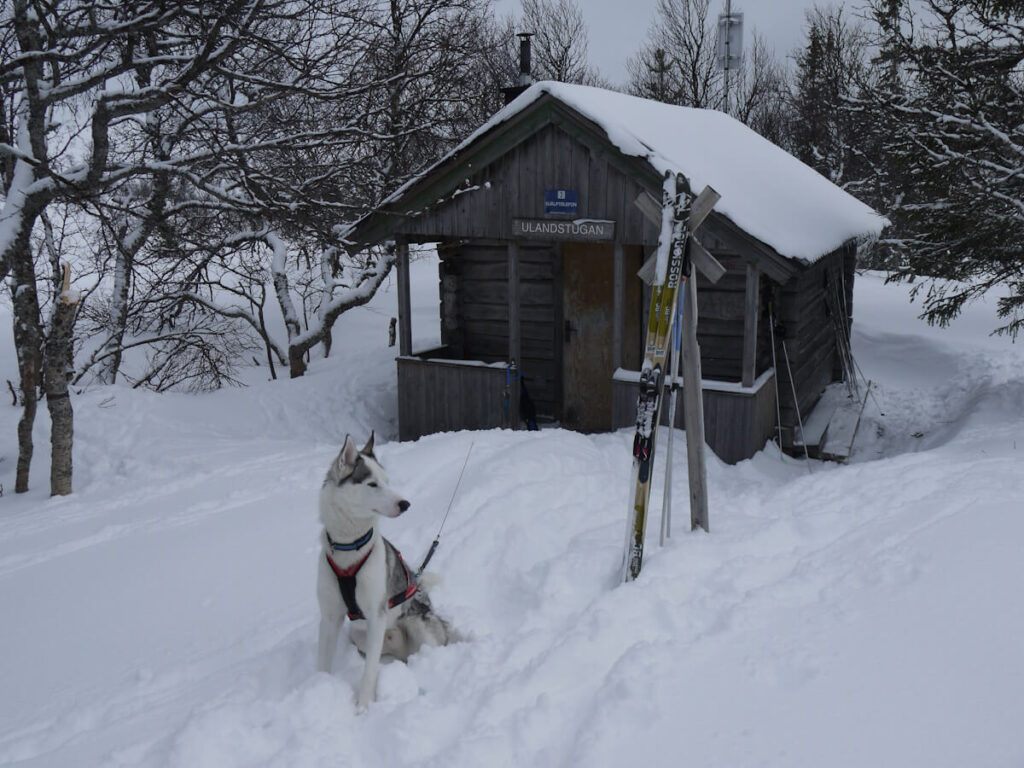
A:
730	44
728	21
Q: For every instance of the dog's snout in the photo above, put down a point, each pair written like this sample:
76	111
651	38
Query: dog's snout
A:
403	505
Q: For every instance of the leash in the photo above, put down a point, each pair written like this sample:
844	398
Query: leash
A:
437	539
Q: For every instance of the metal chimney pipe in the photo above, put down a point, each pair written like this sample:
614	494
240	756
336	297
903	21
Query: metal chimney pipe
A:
525	77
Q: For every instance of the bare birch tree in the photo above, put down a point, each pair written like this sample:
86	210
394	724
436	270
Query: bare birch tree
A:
677	64
396	86
560	44
98	95
72	74
684	72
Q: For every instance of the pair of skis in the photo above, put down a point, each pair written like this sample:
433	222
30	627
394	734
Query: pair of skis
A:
664	299
680	216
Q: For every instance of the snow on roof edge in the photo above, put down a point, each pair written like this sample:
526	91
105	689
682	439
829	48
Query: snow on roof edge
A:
766	192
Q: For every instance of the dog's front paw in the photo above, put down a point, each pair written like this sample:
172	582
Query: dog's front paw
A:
367	695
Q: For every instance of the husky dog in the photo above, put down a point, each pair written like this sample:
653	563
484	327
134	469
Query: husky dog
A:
363	576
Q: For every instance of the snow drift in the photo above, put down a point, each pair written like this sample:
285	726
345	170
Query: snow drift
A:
867	614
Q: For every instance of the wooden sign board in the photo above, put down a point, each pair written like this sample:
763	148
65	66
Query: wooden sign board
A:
586	230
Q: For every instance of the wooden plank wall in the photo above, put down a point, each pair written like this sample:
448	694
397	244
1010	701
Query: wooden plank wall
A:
435	396
736	425
474	312
801	308
720	325
513	187
810	338
720	309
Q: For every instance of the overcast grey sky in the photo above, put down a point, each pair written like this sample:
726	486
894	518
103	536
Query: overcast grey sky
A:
617	27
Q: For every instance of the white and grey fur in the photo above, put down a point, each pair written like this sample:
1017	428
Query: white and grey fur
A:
354	496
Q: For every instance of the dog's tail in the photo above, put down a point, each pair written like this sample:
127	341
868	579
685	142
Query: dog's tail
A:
428	580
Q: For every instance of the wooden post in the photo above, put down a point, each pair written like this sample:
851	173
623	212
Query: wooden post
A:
404	304
514	343
693	407
618	306
751	309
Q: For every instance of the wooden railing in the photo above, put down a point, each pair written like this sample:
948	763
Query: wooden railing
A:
738	420
437	394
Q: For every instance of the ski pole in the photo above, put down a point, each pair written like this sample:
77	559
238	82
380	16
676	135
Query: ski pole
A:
677	346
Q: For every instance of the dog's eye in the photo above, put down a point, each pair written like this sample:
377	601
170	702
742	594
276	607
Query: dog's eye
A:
372	485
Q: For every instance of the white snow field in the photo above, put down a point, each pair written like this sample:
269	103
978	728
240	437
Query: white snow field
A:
864	615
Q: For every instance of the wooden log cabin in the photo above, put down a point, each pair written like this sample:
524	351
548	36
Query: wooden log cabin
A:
539	223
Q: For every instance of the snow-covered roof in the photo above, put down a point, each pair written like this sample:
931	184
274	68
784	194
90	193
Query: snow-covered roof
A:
765	191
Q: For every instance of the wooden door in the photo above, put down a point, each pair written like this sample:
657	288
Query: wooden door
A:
588	279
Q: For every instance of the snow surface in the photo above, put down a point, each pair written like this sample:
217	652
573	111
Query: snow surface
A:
765	190
859	615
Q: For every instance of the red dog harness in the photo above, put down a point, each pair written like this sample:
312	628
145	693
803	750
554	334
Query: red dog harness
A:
347	576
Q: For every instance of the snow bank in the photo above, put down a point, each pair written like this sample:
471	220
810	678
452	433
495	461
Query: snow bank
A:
852	615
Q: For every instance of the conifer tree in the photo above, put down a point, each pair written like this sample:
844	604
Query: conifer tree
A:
825	133
957	137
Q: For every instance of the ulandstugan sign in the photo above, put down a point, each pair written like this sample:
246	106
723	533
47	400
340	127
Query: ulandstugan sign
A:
579	229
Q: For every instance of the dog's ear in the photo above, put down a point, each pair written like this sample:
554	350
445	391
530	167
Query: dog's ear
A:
349	453
368	448
342	465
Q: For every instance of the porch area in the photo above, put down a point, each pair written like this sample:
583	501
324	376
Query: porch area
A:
567	318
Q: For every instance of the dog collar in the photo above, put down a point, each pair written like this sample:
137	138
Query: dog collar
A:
350	546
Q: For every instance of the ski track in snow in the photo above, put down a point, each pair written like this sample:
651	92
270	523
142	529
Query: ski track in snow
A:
164	614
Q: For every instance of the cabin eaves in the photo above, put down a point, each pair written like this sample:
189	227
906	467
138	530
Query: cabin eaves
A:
545	104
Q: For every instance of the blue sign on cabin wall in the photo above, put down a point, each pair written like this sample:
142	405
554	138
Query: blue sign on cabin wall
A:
566	201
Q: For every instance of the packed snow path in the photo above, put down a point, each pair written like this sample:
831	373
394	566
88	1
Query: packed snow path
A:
164	614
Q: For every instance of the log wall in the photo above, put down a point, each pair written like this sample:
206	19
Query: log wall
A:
474	312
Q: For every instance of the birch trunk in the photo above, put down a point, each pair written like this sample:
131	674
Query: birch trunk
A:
282	289
59	356
118	315
28	346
